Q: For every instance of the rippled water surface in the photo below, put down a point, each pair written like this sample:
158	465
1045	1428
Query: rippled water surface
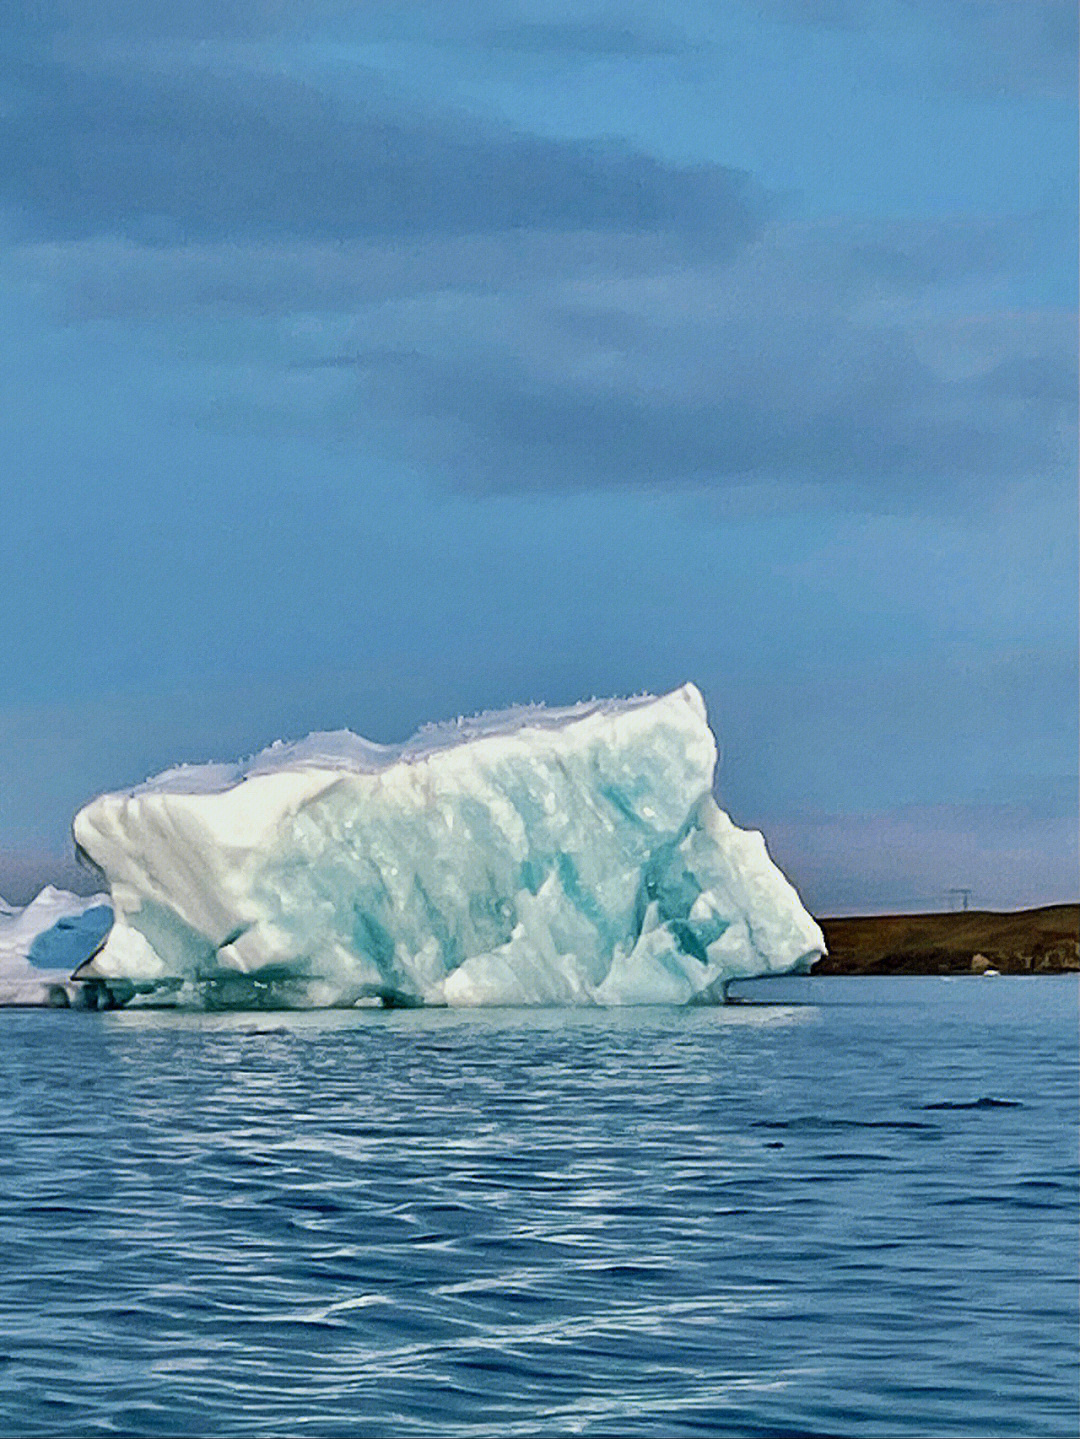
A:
792	1216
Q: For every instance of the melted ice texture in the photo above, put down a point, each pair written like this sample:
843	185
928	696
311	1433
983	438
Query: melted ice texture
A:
534	856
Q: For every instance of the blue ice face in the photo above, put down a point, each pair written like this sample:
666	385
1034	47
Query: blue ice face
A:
72	939
568	857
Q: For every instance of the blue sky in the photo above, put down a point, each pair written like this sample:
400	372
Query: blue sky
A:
368	364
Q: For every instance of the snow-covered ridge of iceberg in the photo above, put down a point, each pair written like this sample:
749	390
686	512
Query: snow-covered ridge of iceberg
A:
534	856
43	941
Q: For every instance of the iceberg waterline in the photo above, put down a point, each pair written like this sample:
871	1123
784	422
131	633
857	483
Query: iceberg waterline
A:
534	856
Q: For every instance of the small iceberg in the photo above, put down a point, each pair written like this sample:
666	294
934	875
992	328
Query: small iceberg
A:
42	942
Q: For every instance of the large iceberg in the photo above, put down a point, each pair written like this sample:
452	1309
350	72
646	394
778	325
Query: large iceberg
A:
535	856
43	941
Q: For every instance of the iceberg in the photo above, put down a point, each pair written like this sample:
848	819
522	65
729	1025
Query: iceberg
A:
530	857
43	941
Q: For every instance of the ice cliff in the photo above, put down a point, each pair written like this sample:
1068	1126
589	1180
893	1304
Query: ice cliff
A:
536	856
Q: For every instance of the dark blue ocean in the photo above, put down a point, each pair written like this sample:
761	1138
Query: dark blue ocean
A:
849	1207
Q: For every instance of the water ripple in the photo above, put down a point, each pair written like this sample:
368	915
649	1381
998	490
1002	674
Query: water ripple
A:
412	1223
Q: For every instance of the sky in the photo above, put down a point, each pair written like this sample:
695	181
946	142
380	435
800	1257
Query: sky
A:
368	364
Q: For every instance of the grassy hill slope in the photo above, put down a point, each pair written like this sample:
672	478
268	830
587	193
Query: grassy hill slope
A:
1028	941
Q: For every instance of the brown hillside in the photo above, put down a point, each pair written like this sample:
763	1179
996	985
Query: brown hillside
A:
1027	941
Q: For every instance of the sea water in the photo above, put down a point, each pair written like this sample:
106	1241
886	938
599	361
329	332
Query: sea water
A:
846	1207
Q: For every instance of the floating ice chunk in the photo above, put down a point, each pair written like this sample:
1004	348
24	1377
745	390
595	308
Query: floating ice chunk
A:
41	943
533	856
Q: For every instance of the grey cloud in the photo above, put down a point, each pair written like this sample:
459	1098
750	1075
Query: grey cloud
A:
117	278
569	315
123	278
863	356
999	45
981	46
780	364
195	155
899	426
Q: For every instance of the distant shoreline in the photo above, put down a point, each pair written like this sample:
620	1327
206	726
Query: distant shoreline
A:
1027	941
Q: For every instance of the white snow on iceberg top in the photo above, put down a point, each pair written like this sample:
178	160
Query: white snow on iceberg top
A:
532	856
343	750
